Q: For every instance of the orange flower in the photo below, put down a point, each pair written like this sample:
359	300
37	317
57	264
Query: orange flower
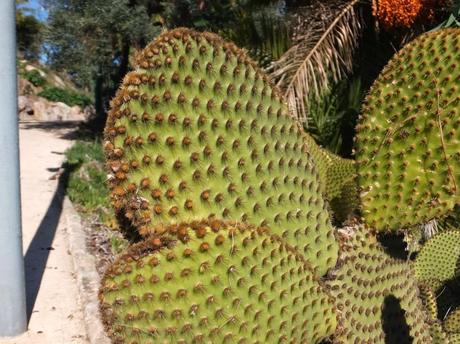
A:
397	13
404	13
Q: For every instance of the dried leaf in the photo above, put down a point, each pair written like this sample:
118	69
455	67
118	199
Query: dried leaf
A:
326	37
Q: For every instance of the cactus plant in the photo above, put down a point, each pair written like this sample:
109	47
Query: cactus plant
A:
198	131
452	322
367	286
342	188
437	261
215	282
229	194
428	298
408	142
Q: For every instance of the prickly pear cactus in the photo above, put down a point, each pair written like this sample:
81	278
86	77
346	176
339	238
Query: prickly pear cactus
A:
204	158
428	297
215	282
437	261
198	131
454	338
452	321
408	140
342	188
377	296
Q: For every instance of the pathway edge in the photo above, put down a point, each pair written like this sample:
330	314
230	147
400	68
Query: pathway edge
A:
86	275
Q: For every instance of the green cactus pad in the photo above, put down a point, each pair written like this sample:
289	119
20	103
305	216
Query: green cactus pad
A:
198	131
454	338
428	297
408	137
438	258
452	322
342	188
377	296
214	282
340	172
323	160
333	170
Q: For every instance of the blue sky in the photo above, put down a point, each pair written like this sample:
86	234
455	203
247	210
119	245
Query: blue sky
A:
36	9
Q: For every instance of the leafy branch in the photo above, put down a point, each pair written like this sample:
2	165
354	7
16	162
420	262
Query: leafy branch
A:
326	37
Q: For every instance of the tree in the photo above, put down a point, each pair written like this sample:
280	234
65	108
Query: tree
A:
29	34
92	40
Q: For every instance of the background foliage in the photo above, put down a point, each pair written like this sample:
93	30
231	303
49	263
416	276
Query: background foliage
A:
324	55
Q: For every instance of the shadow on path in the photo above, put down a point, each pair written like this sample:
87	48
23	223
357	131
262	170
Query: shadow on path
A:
39	249
70	128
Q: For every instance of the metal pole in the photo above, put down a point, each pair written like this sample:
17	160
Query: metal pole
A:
12	287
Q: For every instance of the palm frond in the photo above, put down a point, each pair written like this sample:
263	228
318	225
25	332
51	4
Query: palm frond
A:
326	36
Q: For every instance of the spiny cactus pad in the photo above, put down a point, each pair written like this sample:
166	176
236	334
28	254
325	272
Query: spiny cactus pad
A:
428	297
454	338
198	131
438	259
340	171
342	188
452	322
408	140
214	282
376	296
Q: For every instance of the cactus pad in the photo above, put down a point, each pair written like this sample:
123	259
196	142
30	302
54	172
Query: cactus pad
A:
454	338
452	322
214	282
198	131
377	295
438	259
408	137
342	188
428	297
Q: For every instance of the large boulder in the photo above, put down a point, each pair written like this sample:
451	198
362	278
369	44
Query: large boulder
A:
36	108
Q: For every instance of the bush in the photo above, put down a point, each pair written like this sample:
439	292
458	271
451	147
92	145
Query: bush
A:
82	152
35	78
68	97
87	186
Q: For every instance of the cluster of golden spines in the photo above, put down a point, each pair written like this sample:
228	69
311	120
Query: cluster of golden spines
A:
408	142
215	281
365	279
198	131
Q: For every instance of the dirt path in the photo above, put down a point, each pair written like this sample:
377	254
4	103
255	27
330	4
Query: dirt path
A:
52	297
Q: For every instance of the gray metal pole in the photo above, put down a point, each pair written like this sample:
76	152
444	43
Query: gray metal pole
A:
12	287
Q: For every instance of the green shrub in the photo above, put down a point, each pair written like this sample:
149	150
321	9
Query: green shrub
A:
68	97
83	151
87	186
35	78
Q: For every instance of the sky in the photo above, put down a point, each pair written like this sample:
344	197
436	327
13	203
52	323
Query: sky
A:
36	9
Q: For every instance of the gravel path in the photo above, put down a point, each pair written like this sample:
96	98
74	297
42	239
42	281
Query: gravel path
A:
52	296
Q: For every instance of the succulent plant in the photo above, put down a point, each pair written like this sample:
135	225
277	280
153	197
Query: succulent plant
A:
231	197
437	261
454	338
408	142
198	131
342	188
215	282
452	322
377	295
428	297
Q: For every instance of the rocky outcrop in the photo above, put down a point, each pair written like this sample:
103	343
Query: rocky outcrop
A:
25	87
31	107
